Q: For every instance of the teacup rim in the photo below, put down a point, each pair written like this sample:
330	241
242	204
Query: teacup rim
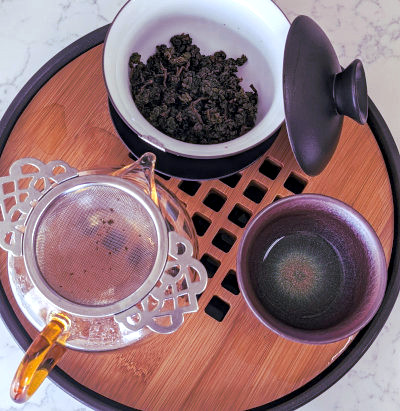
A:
328	335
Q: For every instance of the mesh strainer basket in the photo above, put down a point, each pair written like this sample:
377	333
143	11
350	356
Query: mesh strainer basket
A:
96	260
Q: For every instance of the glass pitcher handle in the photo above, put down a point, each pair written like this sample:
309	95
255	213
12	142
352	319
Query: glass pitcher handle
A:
42	355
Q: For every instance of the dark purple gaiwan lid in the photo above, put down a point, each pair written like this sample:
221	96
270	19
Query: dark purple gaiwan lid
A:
317	93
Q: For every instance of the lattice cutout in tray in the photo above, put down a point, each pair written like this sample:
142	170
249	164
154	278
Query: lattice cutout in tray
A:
221	210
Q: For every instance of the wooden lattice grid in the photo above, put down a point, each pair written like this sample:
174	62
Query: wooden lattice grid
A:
221	210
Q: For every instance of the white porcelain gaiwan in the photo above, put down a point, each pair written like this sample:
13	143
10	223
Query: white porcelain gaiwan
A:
256	28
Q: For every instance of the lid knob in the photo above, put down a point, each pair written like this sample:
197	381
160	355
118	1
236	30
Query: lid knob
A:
350	92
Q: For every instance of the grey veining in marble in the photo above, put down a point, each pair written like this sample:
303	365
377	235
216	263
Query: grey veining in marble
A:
32	31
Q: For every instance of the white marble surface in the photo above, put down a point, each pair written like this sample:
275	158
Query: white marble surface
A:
31	32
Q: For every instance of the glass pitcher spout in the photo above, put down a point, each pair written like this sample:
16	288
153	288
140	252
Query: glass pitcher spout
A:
142	172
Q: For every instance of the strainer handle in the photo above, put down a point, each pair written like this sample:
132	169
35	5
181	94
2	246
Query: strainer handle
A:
41	357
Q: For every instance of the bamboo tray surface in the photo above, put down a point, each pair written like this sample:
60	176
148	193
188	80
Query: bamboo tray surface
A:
222	357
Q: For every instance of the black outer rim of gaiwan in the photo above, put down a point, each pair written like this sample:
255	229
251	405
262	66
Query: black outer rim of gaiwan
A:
308	391
187	168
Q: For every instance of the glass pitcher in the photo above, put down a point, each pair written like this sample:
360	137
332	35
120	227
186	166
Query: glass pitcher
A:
97	260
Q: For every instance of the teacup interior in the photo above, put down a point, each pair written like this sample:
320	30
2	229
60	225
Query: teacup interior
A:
303	274
300	278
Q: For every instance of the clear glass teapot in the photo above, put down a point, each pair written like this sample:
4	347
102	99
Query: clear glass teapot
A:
97	260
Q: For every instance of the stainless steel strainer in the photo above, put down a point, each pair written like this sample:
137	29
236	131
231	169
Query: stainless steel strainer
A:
91	255
95	245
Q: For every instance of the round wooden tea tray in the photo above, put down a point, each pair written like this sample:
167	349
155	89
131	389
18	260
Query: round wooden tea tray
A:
222	357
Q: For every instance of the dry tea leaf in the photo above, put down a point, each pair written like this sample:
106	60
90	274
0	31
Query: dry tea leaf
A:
192	97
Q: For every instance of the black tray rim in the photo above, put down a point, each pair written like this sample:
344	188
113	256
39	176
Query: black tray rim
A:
305	393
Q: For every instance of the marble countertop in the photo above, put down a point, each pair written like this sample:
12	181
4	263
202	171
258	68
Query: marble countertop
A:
31	32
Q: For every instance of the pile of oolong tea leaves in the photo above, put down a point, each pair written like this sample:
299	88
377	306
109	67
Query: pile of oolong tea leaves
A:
191	97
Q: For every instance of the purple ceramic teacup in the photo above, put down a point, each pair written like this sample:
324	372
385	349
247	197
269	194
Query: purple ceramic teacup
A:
311	269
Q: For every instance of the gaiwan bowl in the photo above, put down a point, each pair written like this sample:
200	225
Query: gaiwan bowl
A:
311	269
256	28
